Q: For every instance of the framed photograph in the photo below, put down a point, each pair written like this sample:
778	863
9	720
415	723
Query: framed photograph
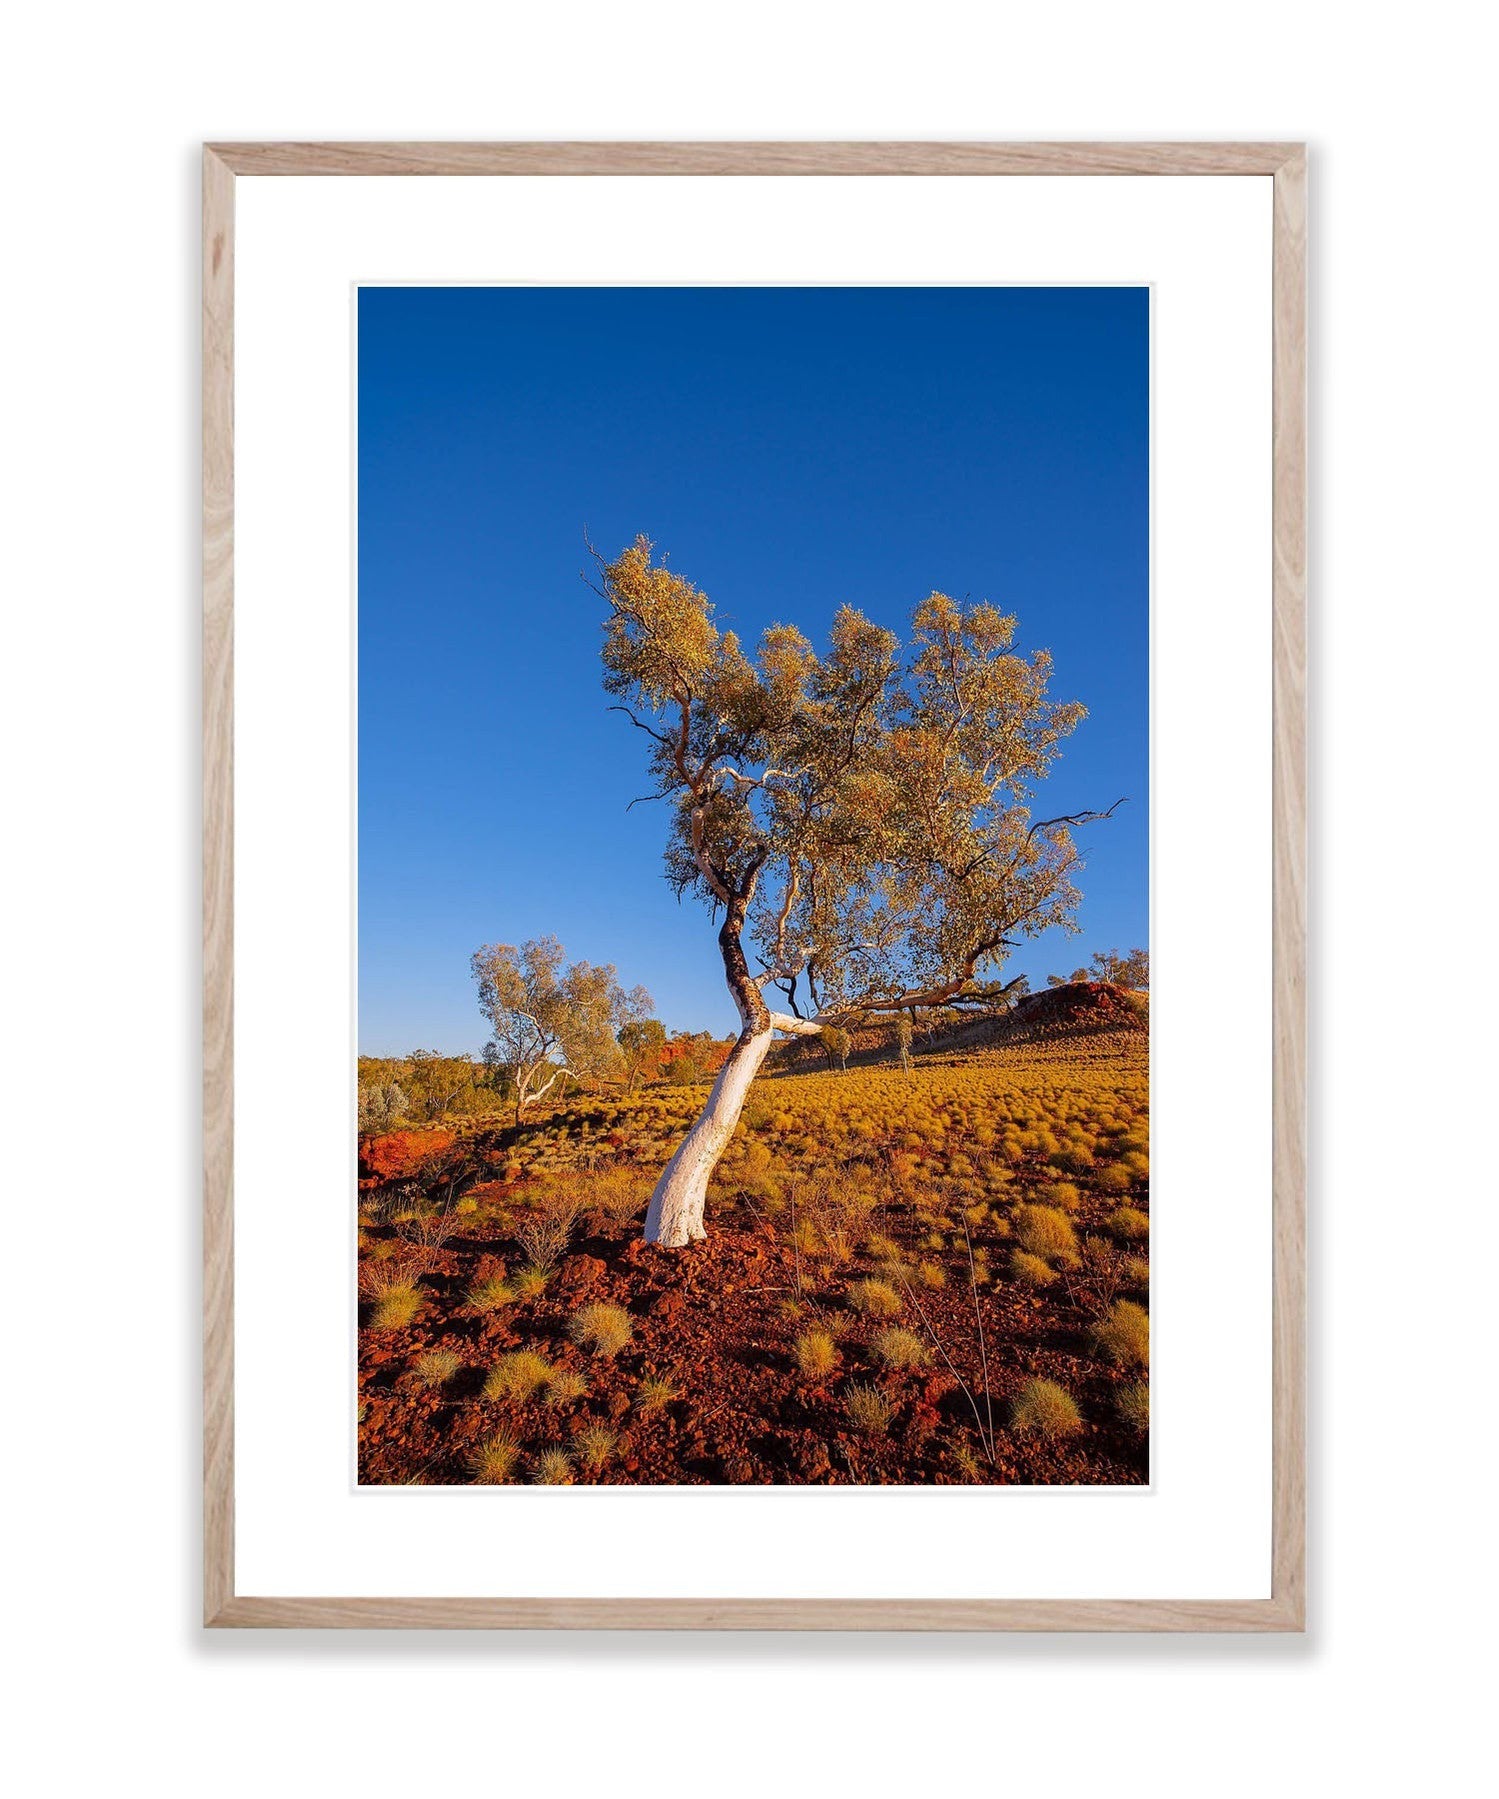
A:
754	885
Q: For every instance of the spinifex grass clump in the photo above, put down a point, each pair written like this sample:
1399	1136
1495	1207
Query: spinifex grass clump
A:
1123	1334
1046	1409
816	1353
1045	1231
435	1367
868	1409
494	1460
518	1375
1133	1406
901	1349
605	1329
874	1298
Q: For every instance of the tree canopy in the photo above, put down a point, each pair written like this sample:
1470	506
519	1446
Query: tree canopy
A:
860	813
549	1019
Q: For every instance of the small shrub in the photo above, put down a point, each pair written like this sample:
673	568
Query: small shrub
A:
604	1329
1045	1408
816	1354
874	1298
868	1409
1133	1406
546	1232
931	1274
517	1376
494	1460
882	1249
1045	1231
554	1468
1066	1194
1115	1179
898	1348
1031	1270
654	1395
530	1283
1137	1271
1130	1224
1123	1334
435	1367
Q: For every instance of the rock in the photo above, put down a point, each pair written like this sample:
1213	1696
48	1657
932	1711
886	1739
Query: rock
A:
812	1461
619	1404
579	1276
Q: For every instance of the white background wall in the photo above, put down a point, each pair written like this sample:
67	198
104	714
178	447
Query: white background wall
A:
104	108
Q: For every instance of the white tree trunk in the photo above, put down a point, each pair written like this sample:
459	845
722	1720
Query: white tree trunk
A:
675	1215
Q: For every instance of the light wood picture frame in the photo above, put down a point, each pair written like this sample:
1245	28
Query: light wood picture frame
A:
1285	164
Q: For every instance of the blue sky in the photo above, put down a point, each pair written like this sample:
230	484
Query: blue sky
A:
792	449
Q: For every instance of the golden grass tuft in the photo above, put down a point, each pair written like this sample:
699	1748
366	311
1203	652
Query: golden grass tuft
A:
489	1294
1030	1270
654	1395
594	1444
1129	1223
816	1353
874	1299
1046	1231
1046	1409
493	1462
554	1468
1133	1406
517	1375
1123	1334
868	1409
898	1348
564	1386
435	1367
397	1306
605	1329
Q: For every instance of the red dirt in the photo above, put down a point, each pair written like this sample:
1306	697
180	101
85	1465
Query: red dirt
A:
715	1320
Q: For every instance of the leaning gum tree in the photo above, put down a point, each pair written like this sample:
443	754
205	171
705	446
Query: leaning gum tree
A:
856	820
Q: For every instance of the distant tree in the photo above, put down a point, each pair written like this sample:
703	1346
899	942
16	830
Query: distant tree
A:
904	1032
548	1019
1069	980
382	1105
837	1043
1132	970
641	1041
861	817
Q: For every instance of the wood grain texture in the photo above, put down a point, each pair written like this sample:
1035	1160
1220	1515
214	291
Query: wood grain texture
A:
753	159
1285	1610
1288	848
218	885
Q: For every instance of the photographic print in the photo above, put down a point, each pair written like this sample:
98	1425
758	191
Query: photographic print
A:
753	885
